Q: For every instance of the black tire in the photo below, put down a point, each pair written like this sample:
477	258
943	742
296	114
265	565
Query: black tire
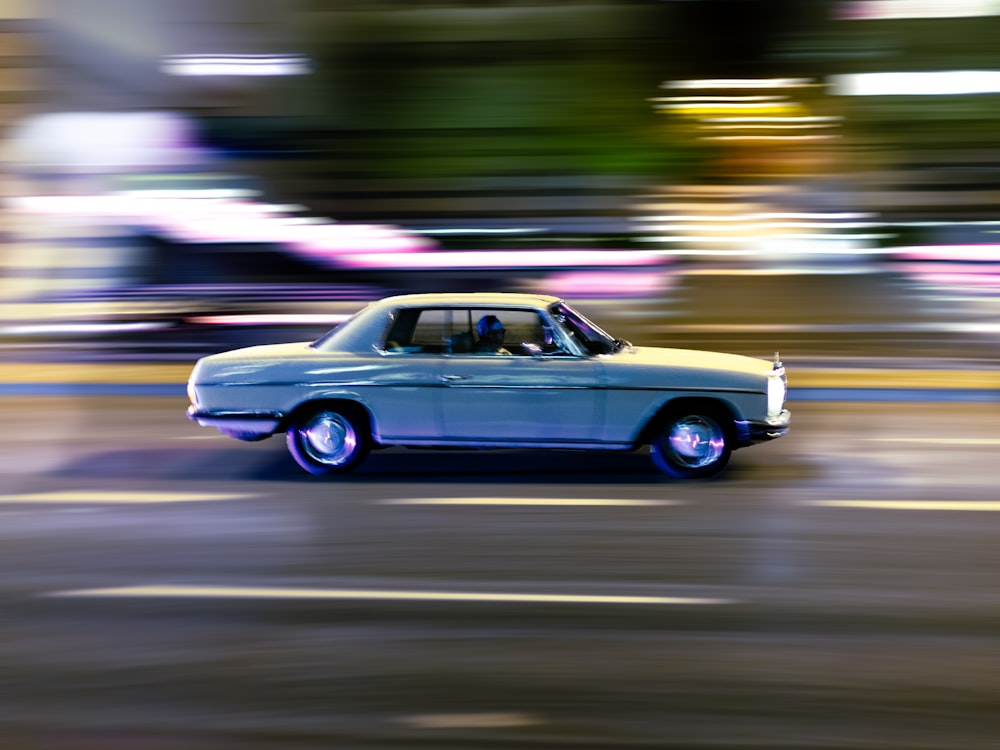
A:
691	445
328	440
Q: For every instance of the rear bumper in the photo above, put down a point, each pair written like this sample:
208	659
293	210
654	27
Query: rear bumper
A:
257	423
750	432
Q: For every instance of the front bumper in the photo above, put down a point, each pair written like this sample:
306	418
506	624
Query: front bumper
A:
750	432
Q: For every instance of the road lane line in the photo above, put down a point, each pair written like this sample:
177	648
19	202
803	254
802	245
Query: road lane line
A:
496	720
264	592
555	501
122	498
936	440
962	505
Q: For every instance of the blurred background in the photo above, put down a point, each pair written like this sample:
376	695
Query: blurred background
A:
269	164
820	177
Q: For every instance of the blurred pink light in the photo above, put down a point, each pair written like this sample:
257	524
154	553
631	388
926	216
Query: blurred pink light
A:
264	319
505	259
989	253
955	274
605	283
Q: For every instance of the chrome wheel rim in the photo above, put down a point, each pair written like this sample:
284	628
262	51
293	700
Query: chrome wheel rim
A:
695	442
328	438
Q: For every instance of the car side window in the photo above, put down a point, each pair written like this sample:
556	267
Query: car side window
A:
459	331
523	331
419	331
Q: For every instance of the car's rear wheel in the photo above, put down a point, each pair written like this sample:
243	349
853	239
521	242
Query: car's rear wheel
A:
691	445
328	439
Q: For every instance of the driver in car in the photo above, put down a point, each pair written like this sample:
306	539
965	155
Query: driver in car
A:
491	334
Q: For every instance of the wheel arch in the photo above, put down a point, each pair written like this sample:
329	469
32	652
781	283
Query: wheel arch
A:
719	408
349	406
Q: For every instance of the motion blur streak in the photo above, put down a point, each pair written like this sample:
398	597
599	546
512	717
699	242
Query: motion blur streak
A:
235	65
525	501
962	505
938	440
253	592
116	498
931	83
493	720
883	10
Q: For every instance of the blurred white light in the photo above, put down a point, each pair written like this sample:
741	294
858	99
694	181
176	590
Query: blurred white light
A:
739	83
81	142
716	99
929	83
859	10
235	65
226	217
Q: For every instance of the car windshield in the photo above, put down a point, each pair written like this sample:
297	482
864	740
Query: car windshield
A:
589	335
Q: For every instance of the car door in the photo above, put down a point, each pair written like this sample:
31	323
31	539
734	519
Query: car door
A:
521	397
403	392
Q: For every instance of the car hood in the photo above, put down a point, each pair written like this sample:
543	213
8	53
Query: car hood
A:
702	360
677	368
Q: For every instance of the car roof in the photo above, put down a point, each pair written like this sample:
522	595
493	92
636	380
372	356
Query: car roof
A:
469	299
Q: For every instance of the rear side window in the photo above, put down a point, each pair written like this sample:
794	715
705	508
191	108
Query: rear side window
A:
433	327
416	331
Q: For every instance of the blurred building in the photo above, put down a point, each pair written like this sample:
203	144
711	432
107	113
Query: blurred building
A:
513	124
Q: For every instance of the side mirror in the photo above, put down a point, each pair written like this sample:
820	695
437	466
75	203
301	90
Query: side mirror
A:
533	349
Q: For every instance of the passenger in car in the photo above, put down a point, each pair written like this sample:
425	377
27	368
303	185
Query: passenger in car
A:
491	334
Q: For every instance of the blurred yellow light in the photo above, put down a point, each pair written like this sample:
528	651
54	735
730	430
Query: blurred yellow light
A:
710	109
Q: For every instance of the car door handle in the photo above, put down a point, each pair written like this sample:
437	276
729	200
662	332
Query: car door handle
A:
453	378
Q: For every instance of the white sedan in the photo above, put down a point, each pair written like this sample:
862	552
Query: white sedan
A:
489	371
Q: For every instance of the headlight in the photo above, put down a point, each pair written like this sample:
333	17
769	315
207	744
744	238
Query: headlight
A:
192	393
775	395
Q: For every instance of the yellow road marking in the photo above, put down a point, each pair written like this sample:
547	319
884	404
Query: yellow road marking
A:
75	372
263	592
858	377
847	377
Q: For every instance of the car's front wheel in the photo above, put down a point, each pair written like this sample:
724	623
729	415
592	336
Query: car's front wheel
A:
691	445
328	440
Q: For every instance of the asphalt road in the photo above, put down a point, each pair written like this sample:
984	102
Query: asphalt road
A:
165	587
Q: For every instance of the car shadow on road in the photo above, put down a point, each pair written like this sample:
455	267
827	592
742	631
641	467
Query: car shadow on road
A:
270	462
